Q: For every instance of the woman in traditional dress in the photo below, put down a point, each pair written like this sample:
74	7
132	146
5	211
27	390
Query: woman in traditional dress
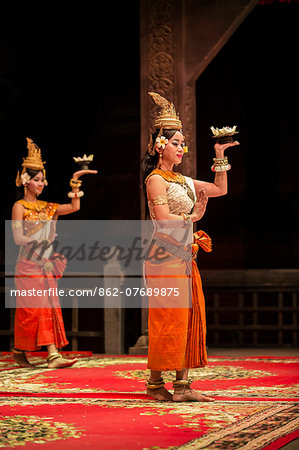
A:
177	335
38	319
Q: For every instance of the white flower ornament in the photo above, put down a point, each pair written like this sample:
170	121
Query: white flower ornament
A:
161	142
25	178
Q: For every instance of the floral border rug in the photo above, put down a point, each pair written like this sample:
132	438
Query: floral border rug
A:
101	403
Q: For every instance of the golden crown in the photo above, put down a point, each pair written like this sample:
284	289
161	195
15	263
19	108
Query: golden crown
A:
32	161
167	118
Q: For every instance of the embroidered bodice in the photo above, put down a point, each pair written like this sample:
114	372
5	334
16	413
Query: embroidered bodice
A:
36	215
181	198
177	198
38	222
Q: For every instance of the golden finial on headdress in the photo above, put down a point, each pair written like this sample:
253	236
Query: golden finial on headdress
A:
32	161
167	118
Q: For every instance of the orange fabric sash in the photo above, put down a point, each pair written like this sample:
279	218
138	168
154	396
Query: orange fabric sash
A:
201	239
196	354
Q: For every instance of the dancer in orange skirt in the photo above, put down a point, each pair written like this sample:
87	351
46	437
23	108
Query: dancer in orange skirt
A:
177	335
38	319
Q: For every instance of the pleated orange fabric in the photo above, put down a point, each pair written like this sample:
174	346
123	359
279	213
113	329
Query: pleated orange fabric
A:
43	324
196	354
167	325
177	336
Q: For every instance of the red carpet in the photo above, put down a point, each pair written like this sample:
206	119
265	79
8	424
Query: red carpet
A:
100	403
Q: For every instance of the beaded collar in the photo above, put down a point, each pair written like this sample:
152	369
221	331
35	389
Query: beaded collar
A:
38	205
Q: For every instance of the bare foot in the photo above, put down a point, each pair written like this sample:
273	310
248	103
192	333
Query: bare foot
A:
188	395
22	361
161	394
60	363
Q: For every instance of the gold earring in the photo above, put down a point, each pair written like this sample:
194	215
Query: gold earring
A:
160	159
150	148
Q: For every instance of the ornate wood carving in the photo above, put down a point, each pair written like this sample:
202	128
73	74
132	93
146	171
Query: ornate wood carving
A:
189	161
160	52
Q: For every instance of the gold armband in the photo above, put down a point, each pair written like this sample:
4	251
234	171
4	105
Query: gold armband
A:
159	200
16	224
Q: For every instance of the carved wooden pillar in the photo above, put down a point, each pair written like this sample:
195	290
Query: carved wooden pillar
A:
163	70
178	39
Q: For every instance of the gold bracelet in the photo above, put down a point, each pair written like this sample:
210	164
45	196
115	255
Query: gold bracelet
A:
187	219
75	194
75	183
220	167
220	161
16	224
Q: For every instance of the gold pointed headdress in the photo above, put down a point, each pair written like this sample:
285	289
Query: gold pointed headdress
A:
32	161
167	118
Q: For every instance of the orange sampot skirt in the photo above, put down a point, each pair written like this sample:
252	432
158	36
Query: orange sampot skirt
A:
41	325
177	335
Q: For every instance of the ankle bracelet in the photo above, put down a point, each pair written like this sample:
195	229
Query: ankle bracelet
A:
53	356
154	384
178	383
18	352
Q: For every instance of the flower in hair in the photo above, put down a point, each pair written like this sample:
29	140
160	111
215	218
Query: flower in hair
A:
161	142
185	149
25	178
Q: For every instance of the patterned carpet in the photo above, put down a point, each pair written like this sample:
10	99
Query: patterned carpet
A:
100	403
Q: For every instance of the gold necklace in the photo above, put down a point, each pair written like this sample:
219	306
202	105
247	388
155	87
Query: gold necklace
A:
176	177
42	215
35	206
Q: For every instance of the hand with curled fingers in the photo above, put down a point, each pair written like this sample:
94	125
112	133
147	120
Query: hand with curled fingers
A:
200	206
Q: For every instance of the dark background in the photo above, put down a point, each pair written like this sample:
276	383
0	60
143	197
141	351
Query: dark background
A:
253	83
72	85
70	81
